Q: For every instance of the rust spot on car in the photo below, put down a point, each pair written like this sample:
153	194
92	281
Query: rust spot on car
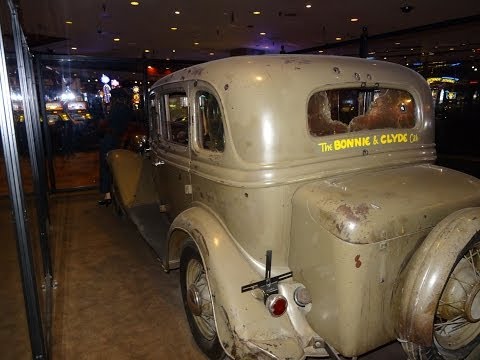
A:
197	71
339	227
358	263
347	211
362	210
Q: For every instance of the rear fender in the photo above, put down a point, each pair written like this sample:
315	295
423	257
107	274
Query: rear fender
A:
423	279
244	325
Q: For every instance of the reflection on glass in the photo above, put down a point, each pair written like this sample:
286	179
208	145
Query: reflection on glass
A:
211	135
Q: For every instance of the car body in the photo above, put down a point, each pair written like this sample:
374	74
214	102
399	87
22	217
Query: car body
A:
317	165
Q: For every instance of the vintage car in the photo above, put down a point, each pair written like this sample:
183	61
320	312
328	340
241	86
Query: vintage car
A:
298	196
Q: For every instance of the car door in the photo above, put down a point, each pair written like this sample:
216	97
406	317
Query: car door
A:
170	115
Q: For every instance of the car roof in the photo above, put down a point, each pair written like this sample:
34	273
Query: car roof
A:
264	99
326	69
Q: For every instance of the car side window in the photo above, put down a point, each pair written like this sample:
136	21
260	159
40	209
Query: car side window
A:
210	126
175	117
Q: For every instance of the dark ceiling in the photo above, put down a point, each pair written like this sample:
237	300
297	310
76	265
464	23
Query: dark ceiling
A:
400	31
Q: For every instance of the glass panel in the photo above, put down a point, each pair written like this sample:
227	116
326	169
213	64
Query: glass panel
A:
343	110
77	99
177	117
14	333
210	126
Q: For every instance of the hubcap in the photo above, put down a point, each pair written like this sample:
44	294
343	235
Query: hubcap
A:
458	314
199	300
194	300
472	305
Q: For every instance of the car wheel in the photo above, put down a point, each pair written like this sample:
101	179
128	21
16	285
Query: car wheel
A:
197	300
456	327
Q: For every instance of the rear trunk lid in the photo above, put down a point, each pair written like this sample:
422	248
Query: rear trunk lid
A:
375	206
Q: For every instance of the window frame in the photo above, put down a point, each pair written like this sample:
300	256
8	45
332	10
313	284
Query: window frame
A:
165	115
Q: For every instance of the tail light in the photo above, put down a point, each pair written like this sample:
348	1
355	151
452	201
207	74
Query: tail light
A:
276	304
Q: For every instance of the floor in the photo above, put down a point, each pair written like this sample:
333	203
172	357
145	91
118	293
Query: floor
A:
113	301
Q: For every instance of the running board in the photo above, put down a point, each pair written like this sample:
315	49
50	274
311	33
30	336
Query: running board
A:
153	224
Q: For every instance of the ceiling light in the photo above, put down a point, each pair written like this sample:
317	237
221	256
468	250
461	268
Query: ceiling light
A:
168	59
354	19
69	22
338	38
173	28
320	51
134	3
74	48
308	6
212	54
397	43
262	33
176	12
173	50
116	39
256	13
451	49
196	43
147	51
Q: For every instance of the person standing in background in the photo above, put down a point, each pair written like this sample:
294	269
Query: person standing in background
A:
112	131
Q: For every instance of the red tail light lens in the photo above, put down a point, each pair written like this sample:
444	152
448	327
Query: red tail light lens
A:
276	305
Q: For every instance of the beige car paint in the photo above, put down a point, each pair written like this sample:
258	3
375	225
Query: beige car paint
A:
345	217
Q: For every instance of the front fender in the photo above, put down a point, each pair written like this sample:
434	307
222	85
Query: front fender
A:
423	279
132	177
244	325
125	166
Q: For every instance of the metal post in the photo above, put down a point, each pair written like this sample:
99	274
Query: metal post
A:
364	43
14	178
145	90
34	136
46	128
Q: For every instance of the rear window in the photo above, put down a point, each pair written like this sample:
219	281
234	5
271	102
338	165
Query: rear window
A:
344	110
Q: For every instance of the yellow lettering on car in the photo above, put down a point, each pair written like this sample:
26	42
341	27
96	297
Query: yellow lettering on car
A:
365	141
341	144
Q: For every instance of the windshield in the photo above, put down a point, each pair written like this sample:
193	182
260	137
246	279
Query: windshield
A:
344	110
